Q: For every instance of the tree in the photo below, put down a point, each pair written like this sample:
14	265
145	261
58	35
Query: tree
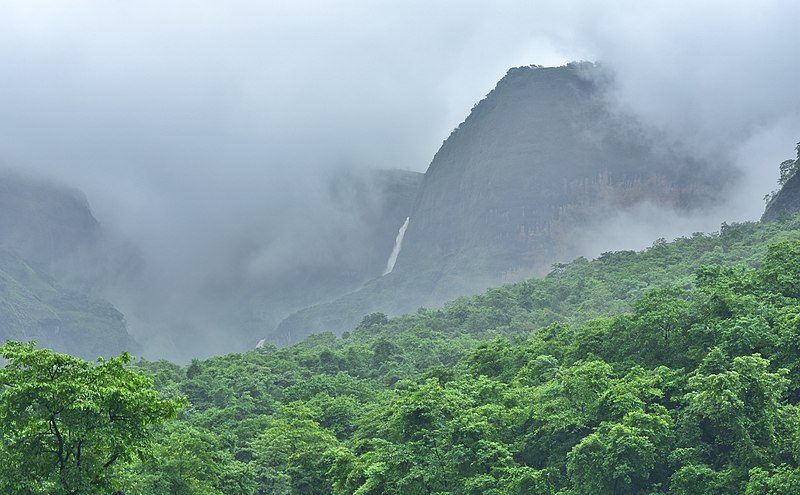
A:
65	423
781	269
788	169
294	454
741	411
187	460
614	459
659	316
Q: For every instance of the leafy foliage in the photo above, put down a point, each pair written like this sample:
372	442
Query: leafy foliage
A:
65	422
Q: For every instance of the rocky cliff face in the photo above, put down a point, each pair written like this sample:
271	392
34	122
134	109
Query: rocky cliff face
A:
47	222
540	158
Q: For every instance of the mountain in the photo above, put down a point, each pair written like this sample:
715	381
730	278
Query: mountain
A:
538	162
50	251
543	157
34	306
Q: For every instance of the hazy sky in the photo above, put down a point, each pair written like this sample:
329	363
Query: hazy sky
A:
192	124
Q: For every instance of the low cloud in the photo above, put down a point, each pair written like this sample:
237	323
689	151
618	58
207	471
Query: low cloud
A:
207	132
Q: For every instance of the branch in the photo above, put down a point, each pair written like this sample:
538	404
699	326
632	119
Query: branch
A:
60	438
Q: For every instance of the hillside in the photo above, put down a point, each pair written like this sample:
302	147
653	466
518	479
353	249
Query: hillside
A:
536	164
49	224
51	258
687	388
34	306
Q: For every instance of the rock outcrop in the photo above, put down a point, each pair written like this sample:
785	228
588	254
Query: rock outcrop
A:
787	199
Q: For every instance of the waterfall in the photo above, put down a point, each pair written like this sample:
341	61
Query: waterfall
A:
397	243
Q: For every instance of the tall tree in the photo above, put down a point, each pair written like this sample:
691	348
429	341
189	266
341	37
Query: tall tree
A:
65	423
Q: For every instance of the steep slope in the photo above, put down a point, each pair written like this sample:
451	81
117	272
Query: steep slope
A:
33	306
541	158
786	200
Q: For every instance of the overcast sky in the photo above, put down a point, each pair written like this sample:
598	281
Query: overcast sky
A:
190	122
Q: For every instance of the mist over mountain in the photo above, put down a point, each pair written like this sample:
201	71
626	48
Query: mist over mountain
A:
364	210
359	247
537	161
544	169
537	164
207	138
60	266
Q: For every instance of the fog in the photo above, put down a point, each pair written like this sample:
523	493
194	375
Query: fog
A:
206	132
718	76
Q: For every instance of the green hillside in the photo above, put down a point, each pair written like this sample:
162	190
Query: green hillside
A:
672	370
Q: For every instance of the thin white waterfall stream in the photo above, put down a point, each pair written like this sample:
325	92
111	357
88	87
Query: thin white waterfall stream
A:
398	242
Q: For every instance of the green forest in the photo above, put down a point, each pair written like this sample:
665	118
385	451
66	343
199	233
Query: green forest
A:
674	370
